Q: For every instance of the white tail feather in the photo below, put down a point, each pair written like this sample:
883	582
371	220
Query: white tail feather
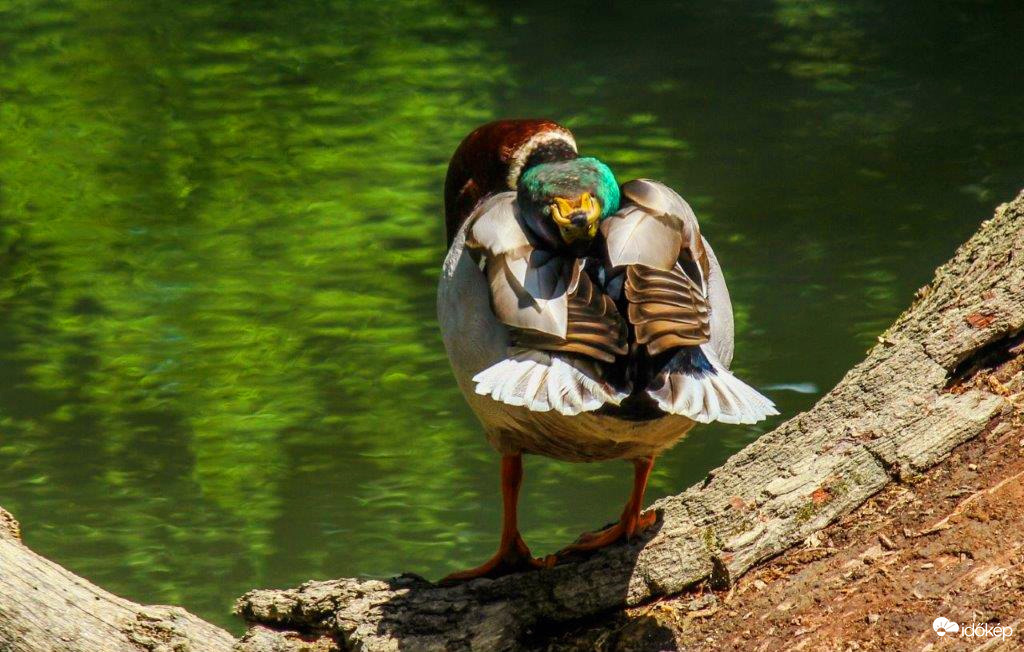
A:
718	396
541	382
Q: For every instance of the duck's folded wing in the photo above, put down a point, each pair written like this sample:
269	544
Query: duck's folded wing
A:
656	238
593	327
668	309
653	228
551	307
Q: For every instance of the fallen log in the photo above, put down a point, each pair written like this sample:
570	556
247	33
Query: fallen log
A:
950	543
893	416
45	607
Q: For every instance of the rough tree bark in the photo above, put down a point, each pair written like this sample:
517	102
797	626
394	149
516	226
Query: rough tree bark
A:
45	608
894	415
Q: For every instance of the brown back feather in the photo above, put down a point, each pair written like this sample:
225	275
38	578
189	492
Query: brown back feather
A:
667	309
595	327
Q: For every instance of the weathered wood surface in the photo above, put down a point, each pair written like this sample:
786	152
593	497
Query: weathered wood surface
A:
890	417
45	608
897	413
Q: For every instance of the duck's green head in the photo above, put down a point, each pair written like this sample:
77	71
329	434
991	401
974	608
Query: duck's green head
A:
564	201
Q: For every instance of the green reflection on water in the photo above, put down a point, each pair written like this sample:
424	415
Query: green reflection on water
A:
220	233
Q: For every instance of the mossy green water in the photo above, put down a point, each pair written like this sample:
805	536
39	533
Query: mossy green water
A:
220	231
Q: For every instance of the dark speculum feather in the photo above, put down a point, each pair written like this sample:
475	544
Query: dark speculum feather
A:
646	371
690	361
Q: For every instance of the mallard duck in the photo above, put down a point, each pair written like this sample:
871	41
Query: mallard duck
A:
584	320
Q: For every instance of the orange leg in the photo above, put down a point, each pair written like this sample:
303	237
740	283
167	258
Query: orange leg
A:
513	556
632	521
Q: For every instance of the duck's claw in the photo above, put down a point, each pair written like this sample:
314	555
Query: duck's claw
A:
513	557
624	530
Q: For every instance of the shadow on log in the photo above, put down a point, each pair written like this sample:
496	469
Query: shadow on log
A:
899	412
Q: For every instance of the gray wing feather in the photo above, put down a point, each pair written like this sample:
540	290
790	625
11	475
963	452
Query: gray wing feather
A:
653	228
494	227
528	288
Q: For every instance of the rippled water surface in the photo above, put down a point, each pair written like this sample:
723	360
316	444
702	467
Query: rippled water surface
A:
220	233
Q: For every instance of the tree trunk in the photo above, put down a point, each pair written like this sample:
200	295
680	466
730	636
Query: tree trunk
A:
899	412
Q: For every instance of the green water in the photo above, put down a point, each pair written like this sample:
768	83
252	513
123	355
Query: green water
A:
220	233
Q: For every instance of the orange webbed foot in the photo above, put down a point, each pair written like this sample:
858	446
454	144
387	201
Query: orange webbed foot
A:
624	530
513	557
633	520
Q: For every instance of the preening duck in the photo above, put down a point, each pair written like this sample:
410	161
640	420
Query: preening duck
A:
584	320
